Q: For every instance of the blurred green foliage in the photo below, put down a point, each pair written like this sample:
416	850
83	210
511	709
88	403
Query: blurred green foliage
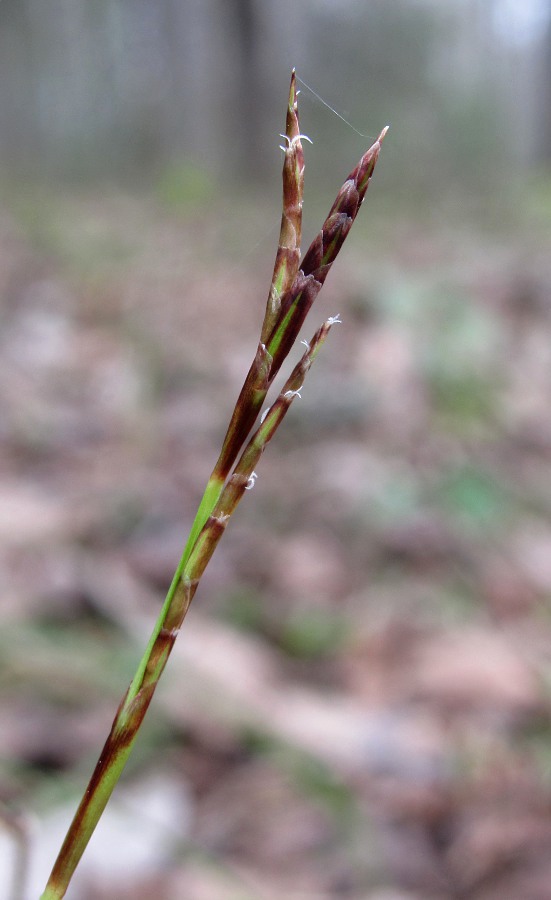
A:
475	499
184	187
312	633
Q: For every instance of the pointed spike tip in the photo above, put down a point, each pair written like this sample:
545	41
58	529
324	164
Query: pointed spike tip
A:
293	92
382	135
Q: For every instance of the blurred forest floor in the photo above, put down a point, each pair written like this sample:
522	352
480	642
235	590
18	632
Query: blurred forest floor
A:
358	705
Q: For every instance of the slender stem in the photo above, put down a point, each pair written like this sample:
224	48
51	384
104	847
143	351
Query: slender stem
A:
291	295
135	703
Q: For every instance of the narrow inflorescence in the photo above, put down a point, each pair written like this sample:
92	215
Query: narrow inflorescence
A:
294	287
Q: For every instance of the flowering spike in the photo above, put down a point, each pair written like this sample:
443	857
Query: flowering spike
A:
288	251
320	256
292	292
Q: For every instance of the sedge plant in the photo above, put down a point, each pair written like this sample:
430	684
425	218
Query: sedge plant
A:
294	287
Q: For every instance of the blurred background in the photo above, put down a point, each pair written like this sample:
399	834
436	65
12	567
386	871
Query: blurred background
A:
358	705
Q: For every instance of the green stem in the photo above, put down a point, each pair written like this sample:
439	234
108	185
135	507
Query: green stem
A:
195	558
293	292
